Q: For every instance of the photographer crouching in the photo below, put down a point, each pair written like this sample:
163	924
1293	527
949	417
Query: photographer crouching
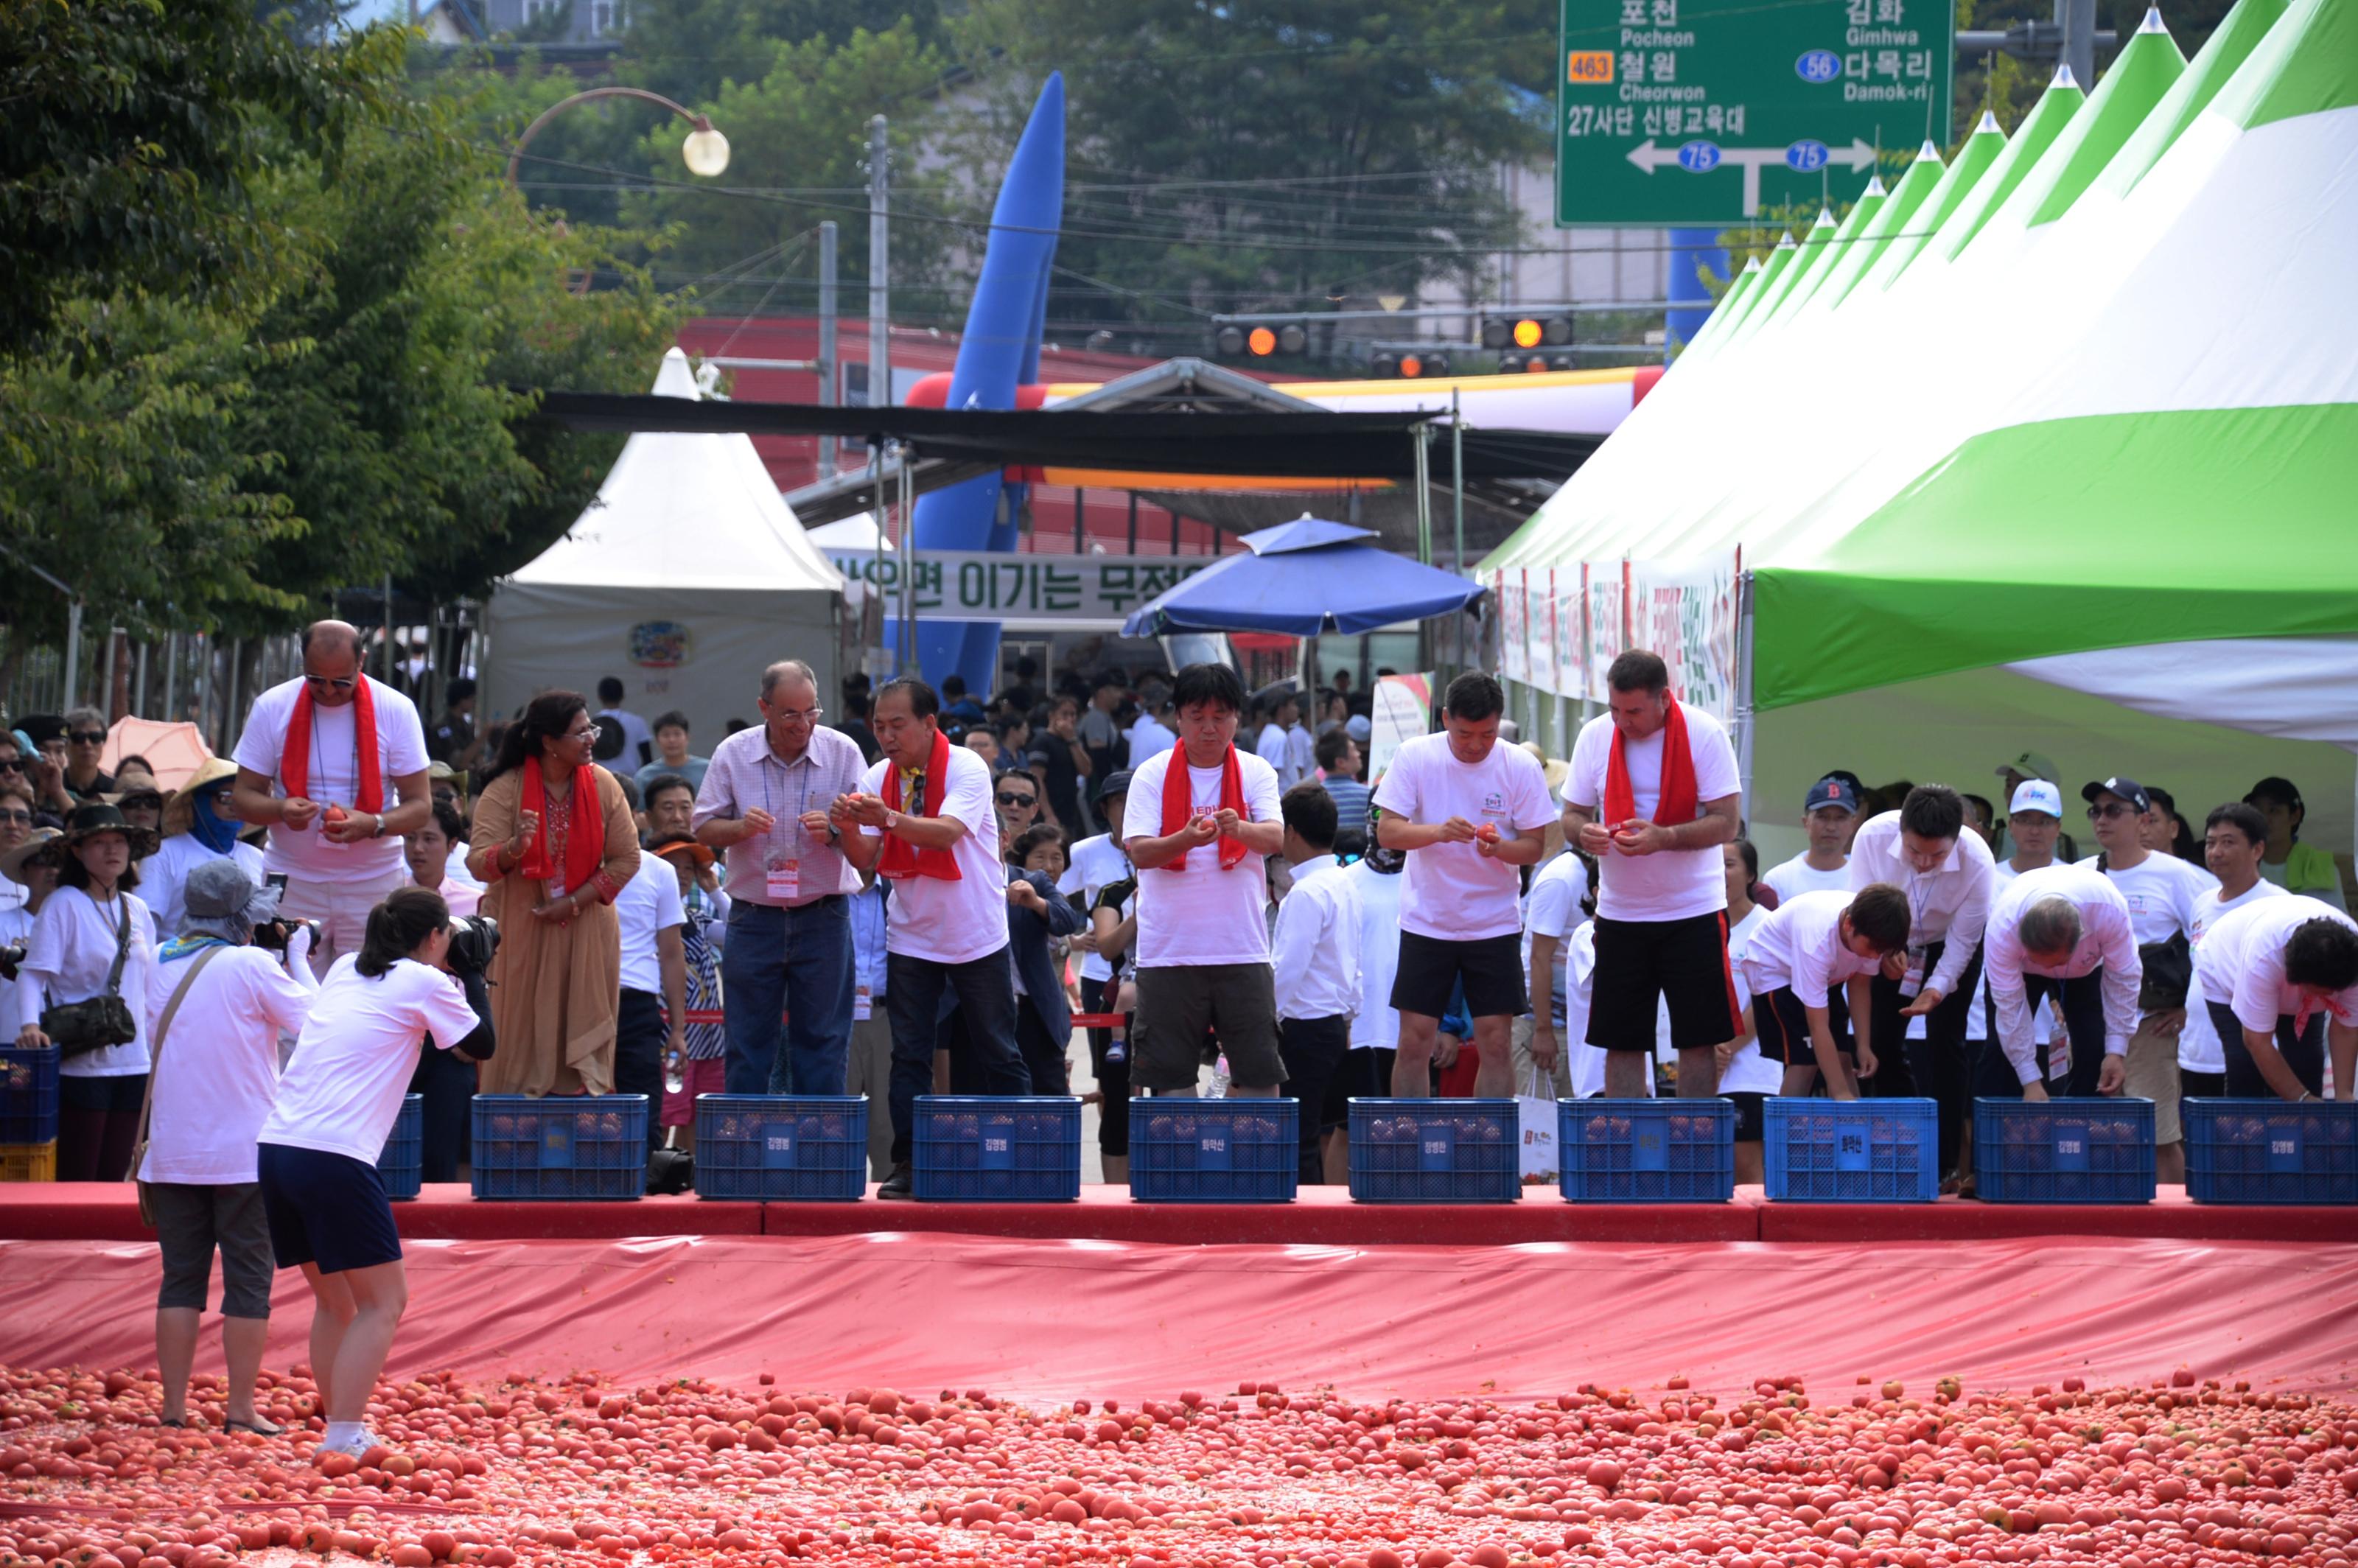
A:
227	985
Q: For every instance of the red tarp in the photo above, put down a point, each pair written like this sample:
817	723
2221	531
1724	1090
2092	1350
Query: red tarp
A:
1055	1319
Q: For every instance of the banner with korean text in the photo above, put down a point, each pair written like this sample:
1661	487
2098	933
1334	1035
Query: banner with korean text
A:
1687	615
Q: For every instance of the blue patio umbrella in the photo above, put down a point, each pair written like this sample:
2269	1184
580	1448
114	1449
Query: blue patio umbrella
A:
1302	578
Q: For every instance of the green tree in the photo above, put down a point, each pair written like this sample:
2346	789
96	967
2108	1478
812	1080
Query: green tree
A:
687	49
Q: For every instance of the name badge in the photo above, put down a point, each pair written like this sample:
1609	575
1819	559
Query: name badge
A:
863	1005
784	879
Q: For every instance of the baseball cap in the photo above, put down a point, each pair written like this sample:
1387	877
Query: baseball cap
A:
1830	791
2127	789
2037	794
1116	783
2030	765
1357	728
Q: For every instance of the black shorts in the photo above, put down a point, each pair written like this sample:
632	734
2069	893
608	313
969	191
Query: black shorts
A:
1642	962
1783	1026
1365	1074
1431	968
1751	1111
326	1209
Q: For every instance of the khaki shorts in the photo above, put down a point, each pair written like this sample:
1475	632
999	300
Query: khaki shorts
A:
2153	1075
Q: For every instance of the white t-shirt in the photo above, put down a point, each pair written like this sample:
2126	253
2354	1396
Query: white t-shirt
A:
217	1075
2199	1047
1801	946
334	778
1275	747
16	927
952	922
636	734
2160	891
165	873
1797	876
1583	1061
1096	864
647	905
1453	892
341	1091
467	898
68	958
1150	737
1674	884
1376	1026
1747	1071
1553	909
2244	962
1202	914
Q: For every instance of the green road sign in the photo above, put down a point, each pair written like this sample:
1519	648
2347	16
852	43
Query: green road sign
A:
1701	113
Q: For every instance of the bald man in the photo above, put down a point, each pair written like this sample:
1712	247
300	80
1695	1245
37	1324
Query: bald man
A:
335	764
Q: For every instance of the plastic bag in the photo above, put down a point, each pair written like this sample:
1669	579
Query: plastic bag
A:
1535	1111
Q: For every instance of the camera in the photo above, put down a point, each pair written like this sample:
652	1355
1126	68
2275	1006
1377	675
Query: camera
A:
474	938
271	935
10	957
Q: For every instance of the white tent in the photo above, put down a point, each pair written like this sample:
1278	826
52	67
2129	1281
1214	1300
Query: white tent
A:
683	578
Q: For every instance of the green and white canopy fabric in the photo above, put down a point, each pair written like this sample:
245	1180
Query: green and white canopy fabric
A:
2088	389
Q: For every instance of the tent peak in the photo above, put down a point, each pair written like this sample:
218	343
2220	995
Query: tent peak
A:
1825	218
2063	77
1930	150
1987	127
1874	187
1752	263
1788	242
674	379
2153	22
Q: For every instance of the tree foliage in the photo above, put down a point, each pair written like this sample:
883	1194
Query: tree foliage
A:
689	49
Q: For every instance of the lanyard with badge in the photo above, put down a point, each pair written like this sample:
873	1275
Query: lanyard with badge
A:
1918	896
782	867
327	846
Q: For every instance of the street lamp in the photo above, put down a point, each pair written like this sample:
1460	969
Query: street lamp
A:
705	151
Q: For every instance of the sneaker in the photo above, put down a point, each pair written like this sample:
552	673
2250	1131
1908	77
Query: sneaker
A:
901	1184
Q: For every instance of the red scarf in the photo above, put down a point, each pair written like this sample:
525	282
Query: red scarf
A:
903	860
1179	804
295	757
1680	801
585	842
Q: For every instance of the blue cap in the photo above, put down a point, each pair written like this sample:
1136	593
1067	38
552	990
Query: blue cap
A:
1830	791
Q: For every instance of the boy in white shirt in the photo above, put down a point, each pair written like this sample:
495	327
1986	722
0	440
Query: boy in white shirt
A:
1315	953
1829	814
1808	947
2234	837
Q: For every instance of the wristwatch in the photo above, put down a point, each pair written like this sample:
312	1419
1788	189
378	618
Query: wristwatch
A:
378	831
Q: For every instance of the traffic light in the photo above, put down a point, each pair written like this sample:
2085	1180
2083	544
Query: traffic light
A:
1503	332
1384	363
1419	362
1229	342
1260	341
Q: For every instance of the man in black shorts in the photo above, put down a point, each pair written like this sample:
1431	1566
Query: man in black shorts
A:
1653	793
1809	946
1468	812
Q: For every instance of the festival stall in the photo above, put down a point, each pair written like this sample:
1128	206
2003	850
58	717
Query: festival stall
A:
684	579
2050	447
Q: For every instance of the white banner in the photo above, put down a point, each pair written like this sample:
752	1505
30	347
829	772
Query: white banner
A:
1403	709
990	585
1688	616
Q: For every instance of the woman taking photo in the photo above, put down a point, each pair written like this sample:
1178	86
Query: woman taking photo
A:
83	989
337	1104
554	843
215	1013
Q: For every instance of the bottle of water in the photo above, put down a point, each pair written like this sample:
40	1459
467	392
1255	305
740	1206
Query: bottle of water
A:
673	1079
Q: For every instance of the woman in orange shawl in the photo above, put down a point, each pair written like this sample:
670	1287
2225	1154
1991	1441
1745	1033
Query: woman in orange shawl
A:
554	842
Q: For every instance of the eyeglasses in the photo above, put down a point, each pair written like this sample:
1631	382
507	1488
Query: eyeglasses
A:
2106	813
1016	798
24	817
332	683
588	737
87	737
798	715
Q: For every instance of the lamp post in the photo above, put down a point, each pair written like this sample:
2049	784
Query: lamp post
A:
705	151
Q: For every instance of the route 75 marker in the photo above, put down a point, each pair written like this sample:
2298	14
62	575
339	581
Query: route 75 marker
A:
1702	157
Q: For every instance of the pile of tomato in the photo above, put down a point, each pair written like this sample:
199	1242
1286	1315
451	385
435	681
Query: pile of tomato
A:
582	1474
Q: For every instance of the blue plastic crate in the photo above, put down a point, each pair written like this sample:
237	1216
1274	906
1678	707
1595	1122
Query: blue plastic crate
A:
998	1149
566	1146
1864	1151
1646	1150
1215	1151
2086	1149
781	1146
402	1164
28	1095
1435	1150
2270	1151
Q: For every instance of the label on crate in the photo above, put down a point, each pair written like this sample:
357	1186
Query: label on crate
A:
1850	1152
1212	1149
556	1143
2072	1146
1650	1147
777	1145
1437	1147
2284	1148
998	1144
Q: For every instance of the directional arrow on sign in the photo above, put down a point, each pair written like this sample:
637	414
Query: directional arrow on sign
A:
1859	155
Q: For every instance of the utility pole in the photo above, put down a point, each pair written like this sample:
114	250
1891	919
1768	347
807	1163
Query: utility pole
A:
827	356
2078	19
880	260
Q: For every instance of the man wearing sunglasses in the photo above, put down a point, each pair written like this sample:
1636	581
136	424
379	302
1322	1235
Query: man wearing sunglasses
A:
335	764
85	743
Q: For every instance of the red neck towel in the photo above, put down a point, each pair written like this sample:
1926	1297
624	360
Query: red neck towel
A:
585	838
294	756
1179	804
903	860
1679	802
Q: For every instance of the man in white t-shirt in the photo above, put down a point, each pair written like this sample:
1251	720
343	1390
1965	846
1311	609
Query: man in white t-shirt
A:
1467	811
1095	864
2064	932
1555	908
2280	977
1829	815
1276	745
1367	1071
2234	839
1150	737
655	980
1652	794
2161	892
1315	953
638	740
929	828
1807	949
1200	825
335	763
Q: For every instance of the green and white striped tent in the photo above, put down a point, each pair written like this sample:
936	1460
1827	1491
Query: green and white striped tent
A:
2052	448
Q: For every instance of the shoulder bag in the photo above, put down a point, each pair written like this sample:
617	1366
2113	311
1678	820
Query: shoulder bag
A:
78	1028
156	1058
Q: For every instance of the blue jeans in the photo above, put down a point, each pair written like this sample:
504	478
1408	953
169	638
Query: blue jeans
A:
796	962
985	988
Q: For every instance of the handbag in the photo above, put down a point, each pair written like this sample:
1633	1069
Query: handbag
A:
78	1028
147	1095
2168	973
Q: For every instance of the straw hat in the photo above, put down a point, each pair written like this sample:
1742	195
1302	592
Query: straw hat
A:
180	806
12	863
